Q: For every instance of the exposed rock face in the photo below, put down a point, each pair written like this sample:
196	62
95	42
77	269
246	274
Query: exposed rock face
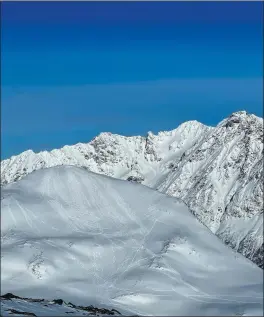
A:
217	172
135	179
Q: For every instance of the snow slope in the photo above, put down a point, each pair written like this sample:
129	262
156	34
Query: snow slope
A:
95	240
217	172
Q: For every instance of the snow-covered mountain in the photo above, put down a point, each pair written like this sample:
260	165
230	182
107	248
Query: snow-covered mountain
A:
94	240
216	171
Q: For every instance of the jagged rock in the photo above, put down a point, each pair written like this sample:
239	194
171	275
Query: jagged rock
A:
16	312
9	296
135	179
58	301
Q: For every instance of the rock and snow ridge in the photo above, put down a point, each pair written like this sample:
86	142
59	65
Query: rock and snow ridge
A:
216	171
13	305
94	240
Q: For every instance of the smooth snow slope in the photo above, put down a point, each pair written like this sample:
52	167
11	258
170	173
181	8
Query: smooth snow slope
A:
93	240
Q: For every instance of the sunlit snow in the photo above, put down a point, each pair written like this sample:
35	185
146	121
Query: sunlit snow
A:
94	240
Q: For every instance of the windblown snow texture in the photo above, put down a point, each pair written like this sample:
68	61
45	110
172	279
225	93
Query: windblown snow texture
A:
94	240
216	171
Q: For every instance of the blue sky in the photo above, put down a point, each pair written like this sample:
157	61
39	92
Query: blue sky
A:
71	70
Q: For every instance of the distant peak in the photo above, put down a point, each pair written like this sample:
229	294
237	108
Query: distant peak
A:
150	134
244	115
191	123
241	117
27	153
103	134
240	114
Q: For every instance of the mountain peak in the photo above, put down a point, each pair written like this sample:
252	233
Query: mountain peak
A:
244	115
241	113
243	119
216	171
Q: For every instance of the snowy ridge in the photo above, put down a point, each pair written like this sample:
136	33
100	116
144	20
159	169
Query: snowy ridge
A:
12	305
221	180
109	154
217	172
94	240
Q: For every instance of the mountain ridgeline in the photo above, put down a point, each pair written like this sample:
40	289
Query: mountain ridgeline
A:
216	171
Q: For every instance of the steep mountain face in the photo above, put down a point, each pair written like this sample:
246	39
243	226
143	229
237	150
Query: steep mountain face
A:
89	239
221	180
216	171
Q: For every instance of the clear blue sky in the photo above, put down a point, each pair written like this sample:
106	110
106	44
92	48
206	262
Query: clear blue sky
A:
71	70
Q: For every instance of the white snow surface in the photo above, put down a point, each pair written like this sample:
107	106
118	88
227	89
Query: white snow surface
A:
216	171
95	240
